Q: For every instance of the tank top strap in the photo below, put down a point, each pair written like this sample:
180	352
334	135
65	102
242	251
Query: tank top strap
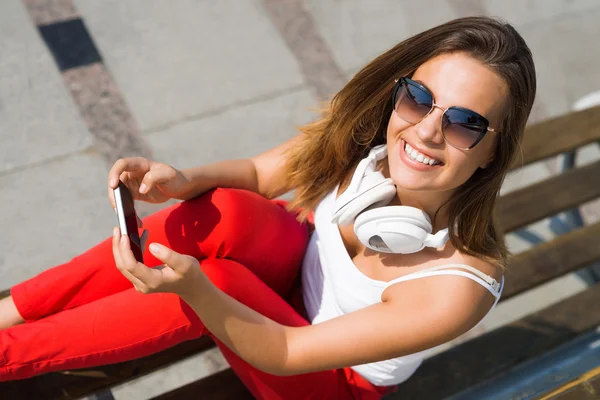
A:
494	287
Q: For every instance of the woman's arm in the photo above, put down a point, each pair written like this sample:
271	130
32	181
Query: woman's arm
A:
256	174
413	316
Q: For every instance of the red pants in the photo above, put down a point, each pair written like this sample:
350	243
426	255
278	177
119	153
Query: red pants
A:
85	313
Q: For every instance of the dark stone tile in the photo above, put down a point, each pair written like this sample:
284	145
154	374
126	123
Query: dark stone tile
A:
70	44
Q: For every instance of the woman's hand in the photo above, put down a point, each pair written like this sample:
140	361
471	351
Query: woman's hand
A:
179	275
147	180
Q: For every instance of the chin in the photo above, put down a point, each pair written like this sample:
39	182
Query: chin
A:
408	183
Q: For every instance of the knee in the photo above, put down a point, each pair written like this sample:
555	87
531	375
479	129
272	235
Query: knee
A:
215	217
247	220
228	205
238	206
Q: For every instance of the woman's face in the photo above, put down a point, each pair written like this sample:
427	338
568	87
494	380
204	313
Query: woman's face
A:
454	80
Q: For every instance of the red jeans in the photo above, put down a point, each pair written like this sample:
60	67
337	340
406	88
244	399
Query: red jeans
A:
84	313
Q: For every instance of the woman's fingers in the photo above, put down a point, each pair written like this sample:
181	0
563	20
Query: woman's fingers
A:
130	164
149	278
159	173
130	171
180	272
118	170
111	198
180	263
116	239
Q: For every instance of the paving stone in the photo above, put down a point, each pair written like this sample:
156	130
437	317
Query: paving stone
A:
52	213
520	12
38	120
241	132
176	60
565	62
356	31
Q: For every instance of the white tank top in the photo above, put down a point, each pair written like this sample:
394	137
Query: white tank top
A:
333	286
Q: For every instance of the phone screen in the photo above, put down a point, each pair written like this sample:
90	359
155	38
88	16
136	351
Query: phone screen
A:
128	219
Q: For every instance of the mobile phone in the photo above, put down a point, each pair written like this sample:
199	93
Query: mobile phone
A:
127	218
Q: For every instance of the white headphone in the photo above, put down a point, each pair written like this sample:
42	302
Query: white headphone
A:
391	229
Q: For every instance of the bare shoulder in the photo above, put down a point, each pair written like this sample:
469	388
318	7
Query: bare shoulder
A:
451	297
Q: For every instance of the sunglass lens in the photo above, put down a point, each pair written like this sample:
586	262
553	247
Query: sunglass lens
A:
463	128
411	102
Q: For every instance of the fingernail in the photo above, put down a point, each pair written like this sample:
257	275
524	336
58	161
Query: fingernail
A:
115	231
154	248
143	188
123	239
113	182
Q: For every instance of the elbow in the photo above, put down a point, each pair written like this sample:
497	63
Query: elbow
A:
288	368
276	357
279	368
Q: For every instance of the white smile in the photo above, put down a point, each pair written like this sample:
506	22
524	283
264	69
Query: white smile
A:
415	155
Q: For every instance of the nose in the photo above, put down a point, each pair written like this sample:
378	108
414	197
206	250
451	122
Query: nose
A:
430	127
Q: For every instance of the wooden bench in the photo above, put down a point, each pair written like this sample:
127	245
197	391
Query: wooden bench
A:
478	361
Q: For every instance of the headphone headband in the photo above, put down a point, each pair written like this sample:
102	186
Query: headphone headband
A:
376	154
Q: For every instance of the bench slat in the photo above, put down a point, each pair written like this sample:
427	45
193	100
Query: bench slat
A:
224	385
558	135
497	351
546	261
549	197
73	385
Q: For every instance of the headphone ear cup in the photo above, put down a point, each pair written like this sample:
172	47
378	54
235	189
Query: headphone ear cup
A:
393	229
378	195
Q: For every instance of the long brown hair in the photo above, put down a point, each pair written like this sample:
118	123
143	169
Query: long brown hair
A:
356	120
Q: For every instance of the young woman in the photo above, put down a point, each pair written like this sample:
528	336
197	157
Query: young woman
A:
402	172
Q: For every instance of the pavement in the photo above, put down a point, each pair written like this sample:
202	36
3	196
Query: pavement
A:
83	83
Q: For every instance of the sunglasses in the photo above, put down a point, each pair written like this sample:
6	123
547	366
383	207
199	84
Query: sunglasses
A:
461	127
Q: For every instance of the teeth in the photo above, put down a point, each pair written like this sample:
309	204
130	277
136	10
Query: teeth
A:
415	155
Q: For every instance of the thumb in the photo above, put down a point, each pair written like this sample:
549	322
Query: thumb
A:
176	261
158	174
